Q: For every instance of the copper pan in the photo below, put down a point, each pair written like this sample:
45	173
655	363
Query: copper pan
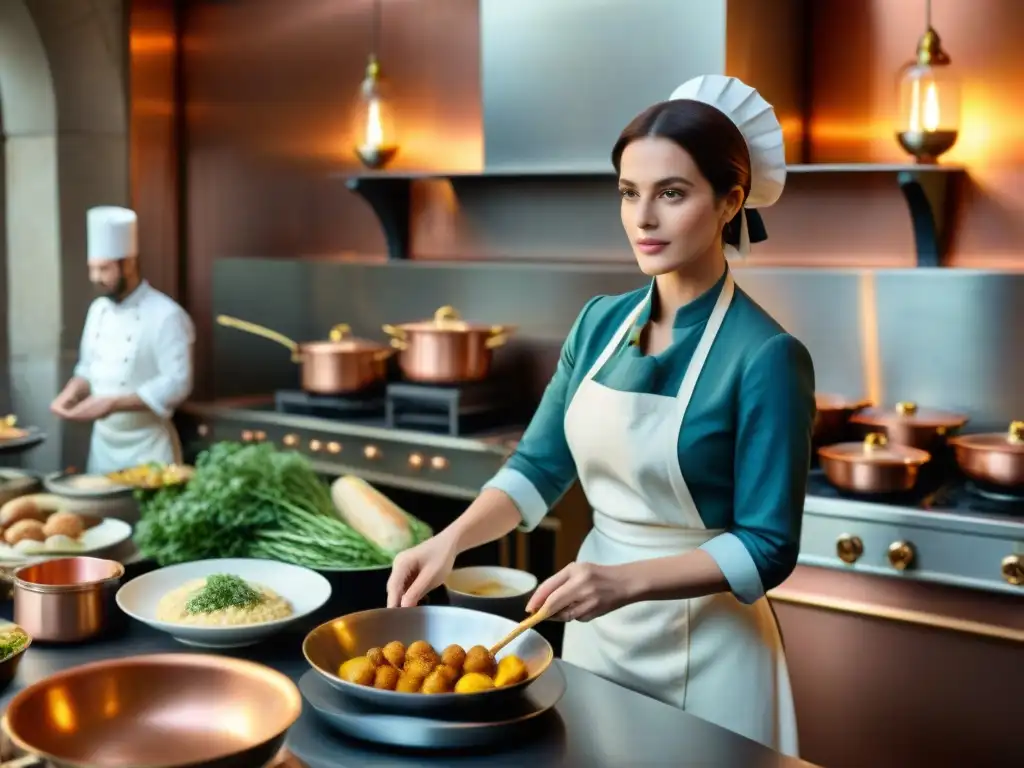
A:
342	365
446	349
66	599
907	424
158	711
996	459
832	416
874	466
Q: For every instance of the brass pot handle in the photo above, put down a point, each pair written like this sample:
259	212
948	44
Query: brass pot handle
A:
906	408
340	332
446	314
29	761
393	331
10	420
384	354
258	330
1014	435
875	441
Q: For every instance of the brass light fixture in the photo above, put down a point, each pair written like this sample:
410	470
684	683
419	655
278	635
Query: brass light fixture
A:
374	128
929	99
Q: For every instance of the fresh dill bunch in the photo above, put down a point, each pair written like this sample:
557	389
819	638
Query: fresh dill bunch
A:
222	590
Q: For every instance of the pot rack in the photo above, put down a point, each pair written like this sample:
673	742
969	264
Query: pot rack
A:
930	192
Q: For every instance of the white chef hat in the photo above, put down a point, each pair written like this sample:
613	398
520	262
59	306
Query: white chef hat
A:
756	120
112	233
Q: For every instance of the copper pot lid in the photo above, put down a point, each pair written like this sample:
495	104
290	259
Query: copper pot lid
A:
828	402
341	340
446	319
1010	441
907	412
875	449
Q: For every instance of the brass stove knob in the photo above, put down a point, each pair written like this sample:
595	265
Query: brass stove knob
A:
438	462
259	436
1013	570
334	447
203	430
371	452
901	555
291	440
247	436
849	548
315	446
415	460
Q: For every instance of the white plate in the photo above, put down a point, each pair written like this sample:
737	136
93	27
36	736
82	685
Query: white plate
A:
306	590
106	534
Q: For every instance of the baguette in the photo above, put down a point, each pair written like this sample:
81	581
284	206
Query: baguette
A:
372	514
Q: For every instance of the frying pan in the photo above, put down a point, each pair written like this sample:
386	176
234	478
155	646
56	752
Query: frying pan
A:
156	711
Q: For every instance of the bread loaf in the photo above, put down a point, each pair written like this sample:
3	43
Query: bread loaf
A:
372	514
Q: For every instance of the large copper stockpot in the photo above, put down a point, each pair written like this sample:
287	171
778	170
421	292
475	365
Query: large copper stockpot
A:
166	710
446	349
995	458
874	466
343	365
906	424
67	599
832	416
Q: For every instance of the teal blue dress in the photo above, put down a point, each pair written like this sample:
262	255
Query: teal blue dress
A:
745	445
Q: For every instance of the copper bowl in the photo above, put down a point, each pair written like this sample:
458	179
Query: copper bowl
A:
832	416
67	599
873	467
158	711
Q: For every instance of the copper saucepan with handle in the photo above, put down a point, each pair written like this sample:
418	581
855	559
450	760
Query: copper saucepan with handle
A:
446	349
342	365
874	466
995	458
156	711
907	424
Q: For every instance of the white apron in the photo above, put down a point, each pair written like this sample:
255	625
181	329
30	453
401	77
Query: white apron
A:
118	366
712	656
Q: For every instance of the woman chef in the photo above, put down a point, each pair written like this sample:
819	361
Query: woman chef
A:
685	411
135	364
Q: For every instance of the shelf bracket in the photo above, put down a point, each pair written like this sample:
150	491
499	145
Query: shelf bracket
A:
390	197
929	195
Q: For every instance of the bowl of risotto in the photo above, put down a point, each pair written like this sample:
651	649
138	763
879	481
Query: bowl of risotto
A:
224	603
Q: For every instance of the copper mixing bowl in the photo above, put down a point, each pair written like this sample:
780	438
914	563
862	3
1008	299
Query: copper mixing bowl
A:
157	711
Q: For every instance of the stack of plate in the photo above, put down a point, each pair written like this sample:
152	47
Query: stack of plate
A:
417	720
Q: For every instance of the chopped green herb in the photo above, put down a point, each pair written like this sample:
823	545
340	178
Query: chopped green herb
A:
11	642
223	591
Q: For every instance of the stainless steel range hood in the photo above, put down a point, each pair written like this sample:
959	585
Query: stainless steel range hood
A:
561	78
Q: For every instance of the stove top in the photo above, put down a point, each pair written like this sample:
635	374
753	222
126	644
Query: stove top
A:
459	410
952	494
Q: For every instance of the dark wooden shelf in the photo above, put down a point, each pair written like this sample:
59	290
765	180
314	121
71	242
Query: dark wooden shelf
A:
930	192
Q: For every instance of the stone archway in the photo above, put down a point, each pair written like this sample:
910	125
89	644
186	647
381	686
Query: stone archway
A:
64	112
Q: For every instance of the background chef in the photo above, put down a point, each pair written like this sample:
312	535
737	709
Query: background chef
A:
135	361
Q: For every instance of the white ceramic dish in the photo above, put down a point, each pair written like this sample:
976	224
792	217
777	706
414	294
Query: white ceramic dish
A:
493	589
306	590
106	534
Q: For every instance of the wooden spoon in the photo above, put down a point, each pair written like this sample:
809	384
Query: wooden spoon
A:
528	623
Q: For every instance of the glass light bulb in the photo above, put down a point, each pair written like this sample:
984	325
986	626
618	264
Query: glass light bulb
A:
928	117
374	133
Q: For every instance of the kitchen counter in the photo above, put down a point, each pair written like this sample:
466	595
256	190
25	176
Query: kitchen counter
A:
596	723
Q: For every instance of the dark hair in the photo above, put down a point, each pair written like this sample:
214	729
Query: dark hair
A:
713	141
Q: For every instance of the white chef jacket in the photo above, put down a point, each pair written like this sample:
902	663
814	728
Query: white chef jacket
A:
143	346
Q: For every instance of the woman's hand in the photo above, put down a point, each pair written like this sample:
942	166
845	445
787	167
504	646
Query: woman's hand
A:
581	592
418	570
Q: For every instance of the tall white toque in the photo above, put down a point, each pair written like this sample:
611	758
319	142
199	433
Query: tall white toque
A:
112	233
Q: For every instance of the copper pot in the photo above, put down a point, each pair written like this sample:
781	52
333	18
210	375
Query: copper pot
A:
832	415
995	458
447	349
168	710
67	599
906	424
342	365
873	466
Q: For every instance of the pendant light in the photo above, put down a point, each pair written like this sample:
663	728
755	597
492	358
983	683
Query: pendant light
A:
929	99
376	142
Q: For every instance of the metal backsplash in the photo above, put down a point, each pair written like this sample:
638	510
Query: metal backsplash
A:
944	339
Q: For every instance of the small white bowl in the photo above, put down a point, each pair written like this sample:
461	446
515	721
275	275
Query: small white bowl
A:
463	582
306	590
